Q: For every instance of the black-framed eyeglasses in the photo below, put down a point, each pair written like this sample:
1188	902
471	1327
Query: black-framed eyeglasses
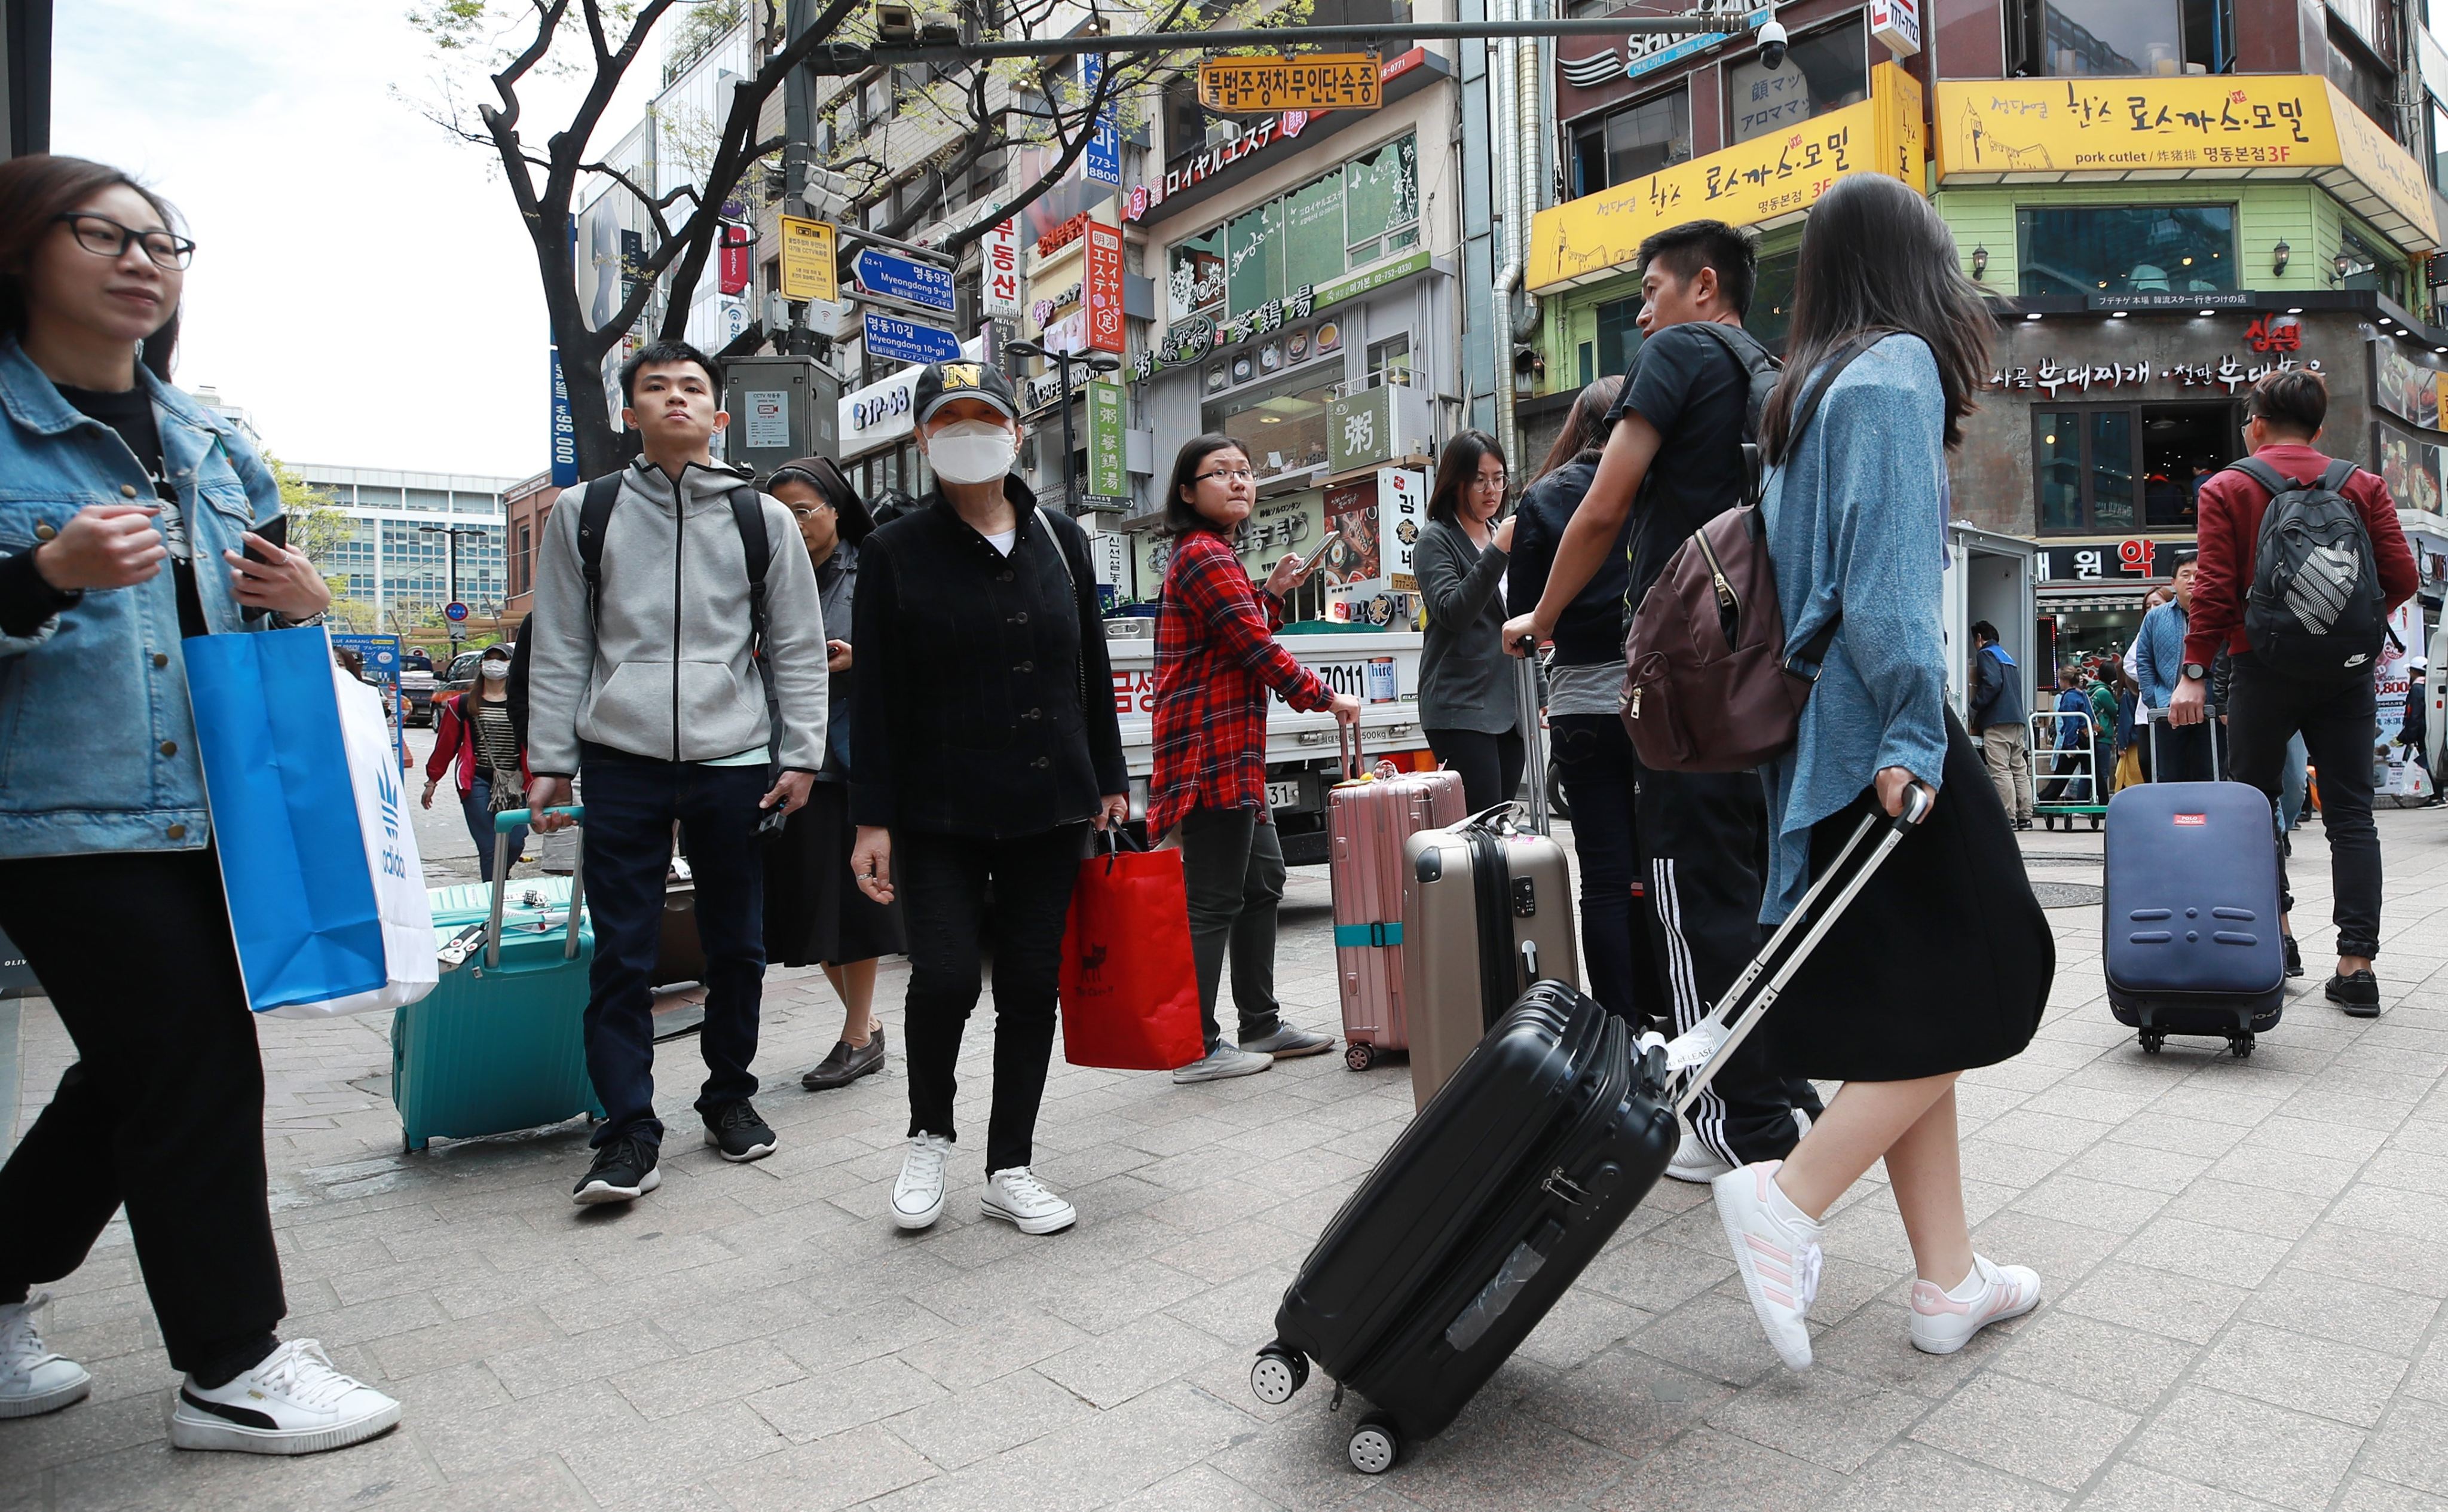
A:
105	237
1227	473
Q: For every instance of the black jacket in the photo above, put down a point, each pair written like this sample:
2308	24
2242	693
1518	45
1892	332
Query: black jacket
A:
985	700
1590	631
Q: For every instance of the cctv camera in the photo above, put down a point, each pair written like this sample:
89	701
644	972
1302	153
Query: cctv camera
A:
1771	39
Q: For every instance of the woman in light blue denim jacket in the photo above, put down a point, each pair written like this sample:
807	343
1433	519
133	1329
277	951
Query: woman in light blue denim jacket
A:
1942	962
124	512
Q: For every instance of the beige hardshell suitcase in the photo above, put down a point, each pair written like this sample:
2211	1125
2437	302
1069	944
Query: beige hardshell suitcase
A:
1487	909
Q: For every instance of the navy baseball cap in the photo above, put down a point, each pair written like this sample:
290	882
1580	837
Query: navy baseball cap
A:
943	382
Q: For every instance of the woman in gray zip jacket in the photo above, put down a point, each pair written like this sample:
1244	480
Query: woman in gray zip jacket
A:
1469	706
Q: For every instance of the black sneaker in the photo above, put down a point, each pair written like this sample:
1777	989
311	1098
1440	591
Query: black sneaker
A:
2359	994
623	1171
847	1063
739	1132
2294	957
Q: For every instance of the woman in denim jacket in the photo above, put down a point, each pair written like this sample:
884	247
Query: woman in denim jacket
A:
124	512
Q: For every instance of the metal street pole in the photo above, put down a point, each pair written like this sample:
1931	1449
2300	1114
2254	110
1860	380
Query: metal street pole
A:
841	58
450	534
1062	382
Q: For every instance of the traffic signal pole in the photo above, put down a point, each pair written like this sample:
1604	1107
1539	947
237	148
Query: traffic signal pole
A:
843	58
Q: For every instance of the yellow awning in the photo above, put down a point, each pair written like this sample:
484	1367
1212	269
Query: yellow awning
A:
1767	180
2092	129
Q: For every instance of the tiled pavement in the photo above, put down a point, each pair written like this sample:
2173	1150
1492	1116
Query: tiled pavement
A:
2242	1260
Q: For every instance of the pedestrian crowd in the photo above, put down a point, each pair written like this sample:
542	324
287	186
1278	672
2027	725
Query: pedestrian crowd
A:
887	730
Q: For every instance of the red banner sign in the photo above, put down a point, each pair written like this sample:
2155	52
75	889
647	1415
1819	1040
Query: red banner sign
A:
1104	287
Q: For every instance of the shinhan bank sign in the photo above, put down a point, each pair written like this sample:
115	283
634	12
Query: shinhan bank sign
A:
1651	53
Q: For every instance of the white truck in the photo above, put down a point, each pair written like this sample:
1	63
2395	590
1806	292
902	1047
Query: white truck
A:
1380	669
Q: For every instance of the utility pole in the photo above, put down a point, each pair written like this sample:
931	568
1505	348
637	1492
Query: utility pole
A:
450	534
1094	362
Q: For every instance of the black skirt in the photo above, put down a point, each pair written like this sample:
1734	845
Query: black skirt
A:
1944	958
814	914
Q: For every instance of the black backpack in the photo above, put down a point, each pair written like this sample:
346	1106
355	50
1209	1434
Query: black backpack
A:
2315	610
748	513
1761	370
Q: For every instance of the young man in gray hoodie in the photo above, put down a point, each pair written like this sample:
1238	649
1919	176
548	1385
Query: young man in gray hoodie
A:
647	680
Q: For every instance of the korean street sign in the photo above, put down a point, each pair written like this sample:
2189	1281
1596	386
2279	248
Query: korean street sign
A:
999	285
904	280
908	341
1317	81
1108	473
809	254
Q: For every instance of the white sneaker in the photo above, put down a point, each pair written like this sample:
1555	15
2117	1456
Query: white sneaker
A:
33	1380
918	1195
1776	1248
1021	1200
1694	1161
1943	1322
1226	1060
293	1403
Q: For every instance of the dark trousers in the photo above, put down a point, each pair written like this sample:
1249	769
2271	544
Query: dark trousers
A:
1704	840
2182	752
476	807
2336	721
163	1110
1594	758
1490	764
1233	867
631	803
942	881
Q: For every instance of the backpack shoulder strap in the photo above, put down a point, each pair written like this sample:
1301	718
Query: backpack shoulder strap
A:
2272	481
756	544
594	512
1070	577
2340	473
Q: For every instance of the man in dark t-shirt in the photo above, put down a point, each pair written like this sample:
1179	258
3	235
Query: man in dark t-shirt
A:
1673	461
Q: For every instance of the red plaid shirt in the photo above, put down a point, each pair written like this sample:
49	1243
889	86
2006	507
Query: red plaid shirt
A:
1216	660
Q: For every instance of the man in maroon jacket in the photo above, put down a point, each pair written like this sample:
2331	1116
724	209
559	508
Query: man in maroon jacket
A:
2266	708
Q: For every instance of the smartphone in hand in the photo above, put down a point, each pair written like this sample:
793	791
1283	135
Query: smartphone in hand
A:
275	531
1309	563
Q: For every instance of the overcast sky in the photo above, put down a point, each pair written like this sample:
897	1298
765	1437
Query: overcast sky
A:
361	283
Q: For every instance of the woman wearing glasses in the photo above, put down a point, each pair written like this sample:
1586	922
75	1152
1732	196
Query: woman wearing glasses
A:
1215	661
108	880
814	913
1468	707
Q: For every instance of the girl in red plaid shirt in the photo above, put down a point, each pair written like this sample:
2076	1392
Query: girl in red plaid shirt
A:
1216	660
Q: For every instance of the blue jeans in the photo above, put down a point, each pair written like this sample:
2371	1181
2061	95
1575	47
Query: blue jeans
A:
476	804
631	803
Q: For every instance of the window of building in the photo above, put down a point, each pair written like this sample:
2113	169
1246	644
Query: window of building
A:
435	500
2125	467
1618	336
2368	265
1771	314
2126	249
1390	362
1632	143
523	565
2069	37
2361	77
2439	146
1283	428
1823	70
1366	210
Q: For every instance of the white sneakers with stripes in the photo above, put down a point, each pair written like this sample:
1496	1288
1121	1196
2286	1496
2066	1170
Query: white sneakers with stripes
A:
1776	1248
1943	1321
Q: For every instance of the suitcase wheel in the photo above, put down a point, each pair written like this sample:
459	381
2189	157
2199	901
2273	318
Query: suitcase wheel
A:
1376	1444
1360	1055
2239	1045
2151	1041
1277	1375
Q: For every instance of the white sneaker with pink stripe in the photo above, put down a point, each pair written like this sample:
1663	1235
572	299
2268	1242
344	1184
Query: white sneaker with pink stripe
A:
1943	1321
1776	1248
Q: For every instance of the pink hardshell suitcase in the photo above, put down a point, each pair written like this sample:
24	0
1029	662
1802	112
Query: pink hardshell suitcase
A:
1369	816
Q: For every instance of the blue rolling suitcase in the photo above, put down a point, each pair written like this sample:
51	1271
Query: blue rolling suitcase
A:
498	1045
2192	913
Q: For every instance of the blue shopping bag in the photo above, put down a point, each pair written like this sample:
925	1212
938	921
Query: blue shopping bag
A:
285	817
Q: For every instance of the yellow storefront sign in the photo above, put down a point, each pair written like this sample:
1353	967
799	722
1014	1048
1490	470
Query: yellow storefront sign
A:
1761	181
2223	126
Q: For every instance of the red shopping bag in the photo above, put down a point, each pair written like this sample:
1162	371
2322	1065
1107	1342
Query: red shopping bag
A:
1130	988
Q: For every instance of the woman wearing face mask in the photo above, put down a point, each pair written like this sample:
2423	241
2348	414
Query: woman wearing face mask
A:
1470	707
477	739
108	878
982	746
814	914
1216	662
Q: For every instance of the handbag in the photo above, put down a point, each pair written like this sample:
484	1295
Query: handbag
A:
2129	768
326	890
1129	984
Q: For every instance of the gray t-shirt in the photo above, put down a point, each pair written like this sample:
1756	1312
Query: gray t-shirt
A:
1594	688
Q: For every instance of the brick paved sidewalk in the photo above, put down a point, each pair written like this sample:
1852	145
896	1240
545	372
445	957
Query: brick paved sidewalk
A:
2242	1261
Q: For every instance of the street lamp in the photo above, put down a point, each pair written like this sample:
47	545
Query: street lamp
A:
450	534
1094	362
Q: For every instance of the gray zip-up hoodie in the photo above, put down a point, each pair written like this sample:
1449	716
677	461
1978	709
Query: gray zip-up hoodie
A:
666	673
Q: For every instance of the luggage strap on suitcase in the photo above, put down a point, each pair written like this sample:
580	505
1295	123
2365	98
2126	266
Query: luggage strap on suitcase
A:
1692	1058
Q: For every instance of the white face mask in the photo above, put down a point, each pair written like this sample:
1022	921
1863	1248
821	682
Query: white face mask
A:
494	669
972	451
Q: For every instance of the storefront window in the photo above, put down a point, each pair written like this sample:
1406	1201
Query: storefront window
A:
1619	335
2109	36
1342	221
1389	361
2138	249
1825	70
1771	314
2115	467
1632	143
1282	429
2367	267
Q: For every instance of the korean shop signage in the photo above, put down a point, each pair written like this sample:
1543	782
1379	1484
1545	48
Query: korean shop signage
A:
1188	340
2228	374
1360	429
999	284
1107	475
2137	558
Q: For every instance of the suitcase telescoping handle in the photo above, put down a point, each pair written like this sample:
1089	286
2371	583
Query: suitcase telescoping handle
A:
1693	1057
2154	717
503	823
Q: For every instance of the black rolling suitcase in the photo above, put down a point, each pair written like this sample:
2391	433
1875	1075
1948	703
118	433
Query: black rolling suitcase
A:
1509	1182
